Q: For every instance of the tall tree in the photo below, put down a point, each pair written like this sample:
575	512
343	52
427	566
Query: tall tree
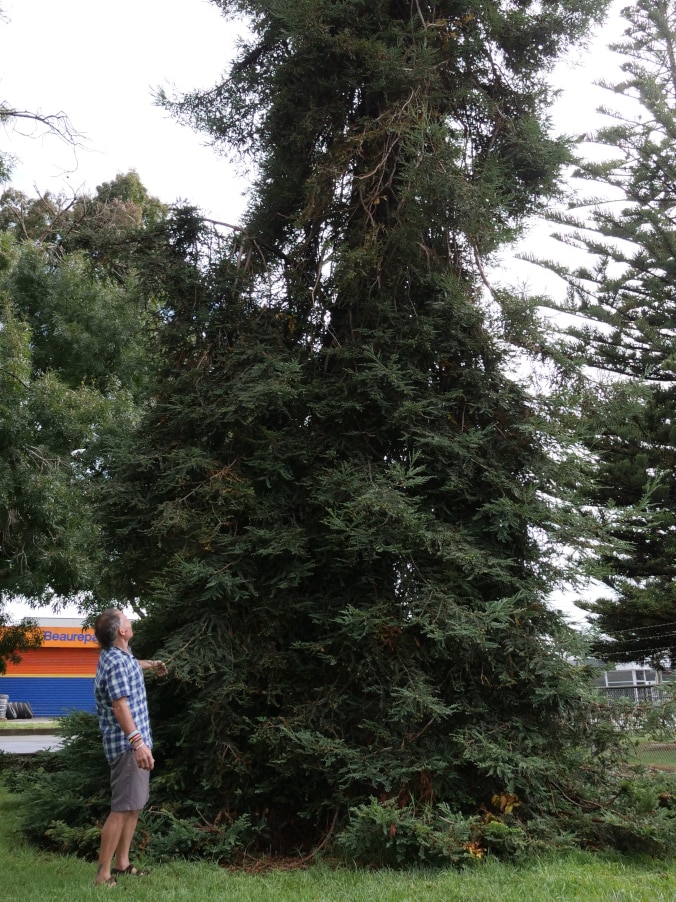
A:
15	506
47	535
330	515
626	302
74	325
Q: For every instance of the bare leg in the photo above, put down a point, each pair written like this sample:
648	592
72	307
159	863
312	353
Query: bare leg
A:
111	834
126	836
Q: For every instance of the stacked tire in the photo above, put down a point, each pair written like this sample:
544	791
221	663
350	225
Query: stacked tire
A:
19	711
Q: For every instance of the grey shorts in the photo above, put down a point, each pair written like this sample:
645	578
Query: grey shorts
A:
129	784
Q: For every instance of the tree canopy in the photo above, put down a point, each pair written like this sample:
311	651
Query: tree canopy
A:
74	326
331	509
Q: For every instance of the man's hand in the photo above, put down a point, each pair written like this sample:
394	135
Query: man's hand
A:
158	667
144	757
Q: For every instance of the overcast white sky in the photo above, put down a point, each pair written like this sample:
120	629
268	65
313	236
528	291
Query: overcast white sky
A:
99	63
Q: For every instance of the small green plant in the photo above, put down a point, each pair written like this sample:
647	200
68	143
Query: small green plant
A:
384	834
168	837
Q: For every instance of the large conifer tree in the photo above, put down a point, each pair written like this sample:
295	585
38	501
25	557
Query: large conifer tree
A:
331	512
626	304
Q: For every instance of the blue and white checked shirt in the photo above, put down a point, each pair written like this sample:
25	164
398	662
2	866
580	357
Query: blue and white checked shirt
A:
119	675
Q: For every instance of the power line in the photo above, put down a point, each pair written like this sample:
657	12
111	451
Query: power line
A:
644	650
671	634
640	629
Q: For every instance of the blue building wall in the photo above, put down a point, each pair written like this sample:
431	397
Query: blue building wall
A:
51	696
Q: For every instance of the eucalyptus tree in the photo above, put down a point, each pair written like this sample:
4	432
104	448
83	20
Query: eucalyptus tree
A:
75	319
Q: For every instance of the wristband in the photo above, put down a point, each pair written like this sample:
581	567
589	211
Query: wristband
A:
133	733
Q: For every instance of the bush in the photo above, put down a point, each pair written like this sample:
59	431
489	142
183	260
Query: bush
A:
383	834
65	793
65	800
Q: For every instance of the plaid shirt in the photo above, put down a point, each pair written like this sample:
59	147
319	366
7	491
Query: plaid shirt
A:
119	675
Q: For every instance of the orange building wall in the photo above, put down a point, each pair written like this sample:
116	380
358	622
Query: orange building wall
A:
56	662
58	677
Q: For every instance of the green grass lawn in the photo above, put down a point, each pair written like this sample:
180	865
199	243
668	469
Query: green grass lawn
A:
29	726
656	754
27	874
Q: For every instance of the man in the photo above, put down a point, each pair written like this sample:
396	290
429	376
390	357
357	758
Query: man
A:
122	709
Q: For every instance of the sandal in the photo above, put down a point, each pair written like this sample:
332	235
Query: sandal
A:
131	869
110	883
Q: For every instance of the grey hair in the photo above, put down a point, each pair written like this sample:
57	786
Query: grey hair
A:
106	627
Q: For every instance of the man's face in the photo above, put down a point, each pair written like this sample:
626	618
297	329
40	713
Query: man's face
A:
126	629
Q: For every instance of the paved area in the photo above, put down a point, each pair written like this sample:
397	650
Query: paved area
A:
26	743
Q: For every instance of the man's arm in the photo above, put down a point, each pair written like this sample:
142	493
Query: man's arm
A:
158	667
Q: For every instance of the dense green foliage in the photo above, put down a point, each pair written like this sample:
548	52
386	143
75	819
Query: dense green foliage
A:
626	304
331	512
64	802
74	330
